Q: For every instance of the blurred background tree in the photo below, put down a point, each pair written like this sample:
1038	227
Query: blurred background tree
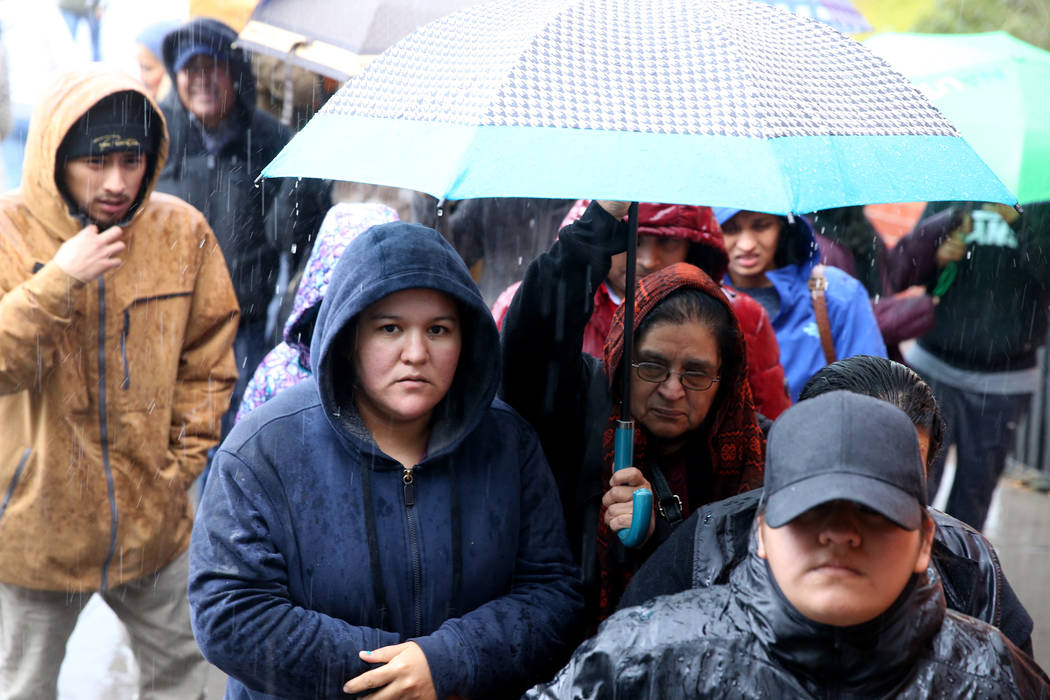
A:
893	15
1028	20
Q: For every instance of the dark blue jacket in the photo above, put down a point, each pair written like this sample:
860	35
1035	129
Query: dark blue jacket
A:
306	551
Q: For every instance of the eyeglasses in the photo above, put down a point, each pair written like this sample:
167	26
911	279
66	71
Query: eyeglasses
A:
657	373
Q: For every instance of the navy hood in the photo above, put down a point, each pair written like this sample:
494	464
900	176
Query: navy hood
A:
385	259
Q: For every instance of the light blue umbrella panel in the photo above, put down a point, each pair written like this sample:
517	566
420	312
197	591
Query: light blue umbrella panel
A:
719	102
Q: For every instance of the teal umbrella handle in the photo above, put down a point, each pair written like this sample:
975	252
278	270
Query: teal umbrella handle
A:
623	455
642	498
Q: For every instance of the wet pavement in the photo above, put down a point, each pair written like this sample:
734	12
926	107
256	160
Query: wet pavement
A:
1019	527
99	664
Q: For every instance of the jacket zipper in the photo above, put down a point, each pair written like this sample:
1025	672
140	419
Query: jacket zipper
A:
103	429
413	539
15	479
126	383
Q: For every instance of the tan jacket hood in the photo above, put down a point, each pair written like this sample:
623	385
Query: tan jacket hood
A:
66	101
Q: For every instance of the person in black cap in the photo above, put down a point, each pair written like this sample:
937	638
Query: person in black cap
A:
116	363
835	596
715	539
220	142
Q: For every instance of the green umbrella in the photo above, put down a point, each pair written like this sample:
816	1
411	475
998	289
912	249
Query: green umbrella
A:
994	88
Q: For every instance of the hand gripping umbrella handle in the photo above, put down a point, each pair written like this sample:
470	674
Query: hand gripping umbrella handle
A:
642	498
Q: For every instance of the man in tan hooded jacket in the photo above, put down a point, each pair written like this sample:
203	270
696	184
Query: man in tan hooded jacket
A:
117	318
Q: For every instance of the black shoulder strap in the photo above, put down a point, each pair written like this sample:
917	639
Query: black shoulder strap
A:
668	504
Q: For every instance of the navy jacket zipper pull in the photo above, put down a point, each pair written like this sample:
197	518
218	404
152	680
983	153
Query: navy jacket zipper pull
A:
410	490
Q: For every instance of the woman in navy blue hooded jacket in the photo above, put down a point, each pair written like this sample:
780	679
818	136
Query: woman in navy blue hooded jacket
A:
386	523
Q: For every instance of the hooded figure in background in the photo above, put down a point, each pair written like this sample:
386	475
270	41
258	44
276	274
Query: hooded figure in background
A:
116	364
220	142
835	598
698	438
387	513
149	49
289	363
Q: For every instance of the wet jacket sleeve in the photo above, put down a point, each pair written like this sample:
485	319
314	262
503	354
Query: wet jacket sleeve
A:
242	612
34	316
974	582
528	628
207	369
297	209
913	261
1034	239
545	375
904	317
853	325
653	652
668	570
543	329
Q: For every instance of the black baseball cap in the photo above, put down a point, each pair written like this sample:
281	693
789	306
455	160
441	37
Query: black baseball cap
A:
844	446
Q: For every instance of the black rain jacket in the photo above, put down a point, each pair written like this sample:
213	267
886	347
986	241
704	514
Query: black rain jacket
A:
715	540
745	640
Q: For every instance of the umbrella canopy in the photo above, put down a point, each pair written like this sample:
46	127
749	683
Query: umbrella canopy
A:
994	88
840	14
337	38
721	102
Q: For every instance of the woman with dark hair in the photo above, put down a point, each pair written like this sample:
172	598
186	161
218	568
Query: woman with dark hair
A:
775	261
891	382
715	541
697	437
386	526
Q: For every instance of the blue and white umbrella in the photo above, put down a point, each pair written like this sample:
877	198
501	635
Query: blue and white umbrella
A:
718	102
722	102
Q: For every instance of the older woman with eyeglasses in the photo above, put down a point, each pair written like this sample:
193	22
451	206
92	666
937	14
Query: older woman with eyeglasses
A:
698	438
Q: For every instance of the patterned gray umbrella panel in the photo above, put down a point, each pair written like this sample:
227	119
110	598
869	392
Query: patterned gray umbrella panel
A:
726	102
719	102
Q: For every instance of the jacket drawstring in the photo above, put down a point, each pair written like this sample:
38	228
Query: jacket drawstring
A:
373	545
103	430
126	384
456	520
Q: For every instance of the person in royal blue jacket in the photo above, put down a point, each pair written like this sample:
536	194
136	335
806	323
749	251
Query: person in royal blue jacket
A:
772	259
387	523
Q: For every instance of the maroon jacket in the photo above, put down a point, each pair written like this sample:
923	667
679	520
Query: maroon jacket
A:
911	262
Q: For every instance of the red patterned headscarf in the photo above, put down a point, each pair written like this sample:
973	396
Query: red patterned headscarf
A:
735	441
